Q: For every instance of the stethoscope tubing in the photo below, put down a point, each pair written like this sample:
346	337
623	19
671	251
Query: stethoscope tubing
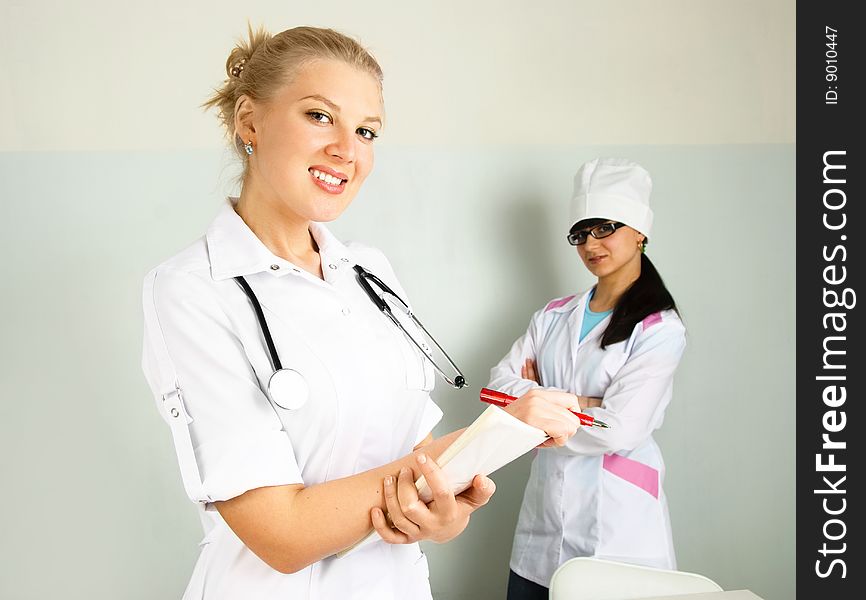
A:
363	275
458	382
263	324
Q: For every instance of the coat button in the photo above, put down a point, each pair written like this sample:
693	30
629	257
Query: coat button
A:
175	413
345	259
347	311
332	266
275	267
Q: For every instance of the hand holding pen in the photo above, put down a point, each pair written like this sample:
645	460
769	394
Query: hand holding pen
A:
504	400
548	410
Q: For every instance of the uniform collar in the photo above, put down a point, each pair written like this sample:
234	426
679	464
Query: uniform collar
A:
567	303
234	250
583	299
577	316
337	259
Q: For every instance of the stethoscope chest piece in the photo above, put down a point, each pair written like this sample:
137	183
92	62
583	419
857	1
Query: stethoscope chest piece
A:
288	389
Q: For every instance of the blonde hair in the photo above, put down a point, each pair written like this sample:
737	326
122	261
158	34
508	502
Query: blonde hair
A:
260	65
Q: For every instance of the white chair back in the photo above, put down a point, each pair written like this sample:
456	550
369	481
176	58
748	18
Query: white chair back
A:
597	579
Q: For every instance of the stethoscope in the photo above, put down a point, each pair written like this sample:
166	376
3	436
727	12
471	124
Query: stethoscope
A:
289	390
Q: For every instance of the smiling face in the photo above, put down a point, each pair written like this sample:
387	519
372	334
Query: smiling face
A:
313	141
616	254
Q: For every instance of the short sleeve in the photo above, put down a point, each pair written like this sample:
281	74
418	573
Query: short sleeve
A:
227	436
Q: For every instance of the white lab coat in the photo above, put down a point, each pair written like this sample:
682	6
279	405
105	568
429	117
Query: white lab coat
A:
206	361
601	494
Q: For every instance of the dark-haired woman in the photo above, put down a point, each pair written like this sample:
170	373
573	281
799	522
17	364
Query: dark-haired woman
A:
617	346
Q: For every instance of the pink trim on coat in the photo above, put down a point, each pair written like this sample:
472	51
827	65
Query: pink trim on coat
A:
651	320
557	303
641	475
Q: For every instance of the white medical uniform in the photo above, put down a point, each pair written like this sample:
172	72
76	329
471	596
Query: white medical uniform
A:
600	494
207	363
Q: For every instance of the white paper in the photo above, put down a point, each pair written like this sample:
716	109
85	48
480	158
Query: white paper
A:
495	439
492	441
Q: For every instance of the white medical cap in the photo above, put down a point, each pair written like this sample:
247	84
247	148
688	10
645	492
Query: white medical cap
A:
613	188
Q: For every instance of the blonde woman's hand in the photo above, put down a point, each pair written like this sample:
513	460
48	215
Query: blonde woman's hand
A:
443	519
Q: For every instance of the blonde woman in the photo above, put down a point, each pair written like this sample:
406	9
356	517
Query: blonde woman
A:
288	471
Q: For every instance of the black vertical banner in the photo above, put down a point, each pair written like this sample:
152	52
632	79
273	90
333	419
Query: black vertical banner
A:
830	243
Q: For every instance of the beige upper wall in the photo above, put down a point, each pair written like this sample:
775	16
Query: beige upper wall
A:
105	75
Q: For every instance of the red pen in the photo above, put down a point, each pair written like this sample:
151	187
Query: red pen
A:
500	399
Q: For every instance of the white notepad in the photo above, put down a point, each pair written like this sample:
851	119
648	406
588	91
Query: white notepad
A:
492	441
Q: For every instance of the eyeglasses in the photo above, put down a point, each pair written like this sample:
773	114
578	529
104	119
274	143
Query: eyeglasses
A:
577	238
398	312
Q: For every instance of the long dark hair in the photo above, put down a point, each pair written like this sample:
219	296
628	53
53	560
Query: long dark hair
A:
647	295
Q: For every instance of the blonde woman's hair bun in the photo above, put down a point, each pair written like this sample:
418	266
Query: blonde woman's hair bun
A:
238	68
244	50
